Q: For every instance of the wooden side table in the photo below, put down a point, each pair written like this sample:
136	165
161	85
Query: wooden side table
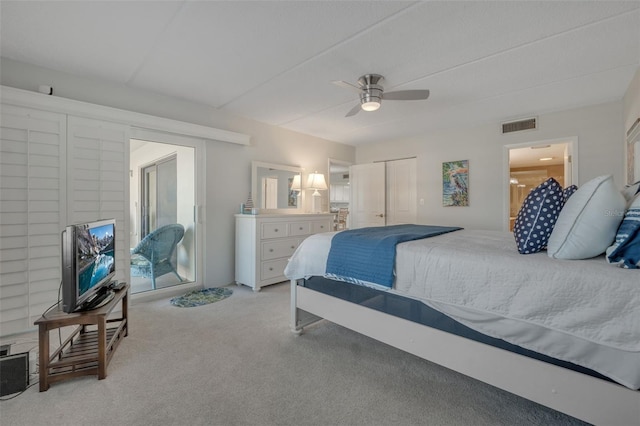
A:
88	350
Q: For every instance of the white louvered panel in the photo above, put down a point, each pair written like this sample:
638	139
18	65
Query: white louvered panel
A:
13	279
32	194
98	178
15	309
13	291
13	254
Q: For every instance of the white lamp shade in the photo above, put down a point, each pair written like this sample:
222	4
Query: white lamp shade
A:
295	184
316	181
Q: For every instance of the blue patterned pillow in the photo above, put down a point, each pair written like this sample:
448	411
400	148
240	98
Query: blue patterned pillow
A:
537	216
625	251
568	192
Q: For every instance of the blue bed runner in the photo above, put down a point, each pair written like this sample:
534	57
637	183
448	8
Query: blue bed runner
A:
369	254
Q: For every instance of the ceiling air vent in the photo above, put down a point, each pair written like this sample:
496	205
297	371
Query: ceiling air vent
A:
520	125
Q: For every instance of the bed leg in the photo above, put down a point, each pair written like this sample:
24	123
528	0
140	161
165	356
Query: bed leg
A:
295	328
299	317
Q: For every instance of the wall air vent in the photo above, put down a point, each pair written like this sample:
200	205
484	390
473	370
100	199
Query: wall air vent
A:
520	125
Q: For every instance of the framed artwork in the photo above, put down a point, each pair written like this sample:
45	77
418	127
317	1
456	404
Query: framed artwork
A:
292	199
455	183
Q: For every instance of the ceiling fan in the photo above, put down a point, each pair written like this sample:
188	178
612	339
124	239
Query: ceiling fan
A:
371	93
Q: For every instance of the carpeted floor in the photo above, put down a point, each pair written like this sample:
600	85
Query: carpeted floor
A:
235	362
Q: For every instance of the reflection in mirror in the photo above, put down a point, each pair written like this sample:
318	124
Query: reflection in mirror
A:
275	186
339	193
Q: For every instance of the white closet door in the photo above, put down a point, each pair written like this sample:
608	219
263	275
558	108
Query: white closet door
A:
32	214
402	205
367	195
97	179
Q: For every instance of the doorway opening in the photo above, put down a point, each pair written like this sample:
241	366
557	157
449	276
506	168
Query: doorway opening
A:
339	193
531	164
163	190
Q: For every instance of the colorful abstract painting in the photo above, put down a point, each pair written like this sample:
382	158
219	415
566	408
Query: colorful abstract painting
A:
455	183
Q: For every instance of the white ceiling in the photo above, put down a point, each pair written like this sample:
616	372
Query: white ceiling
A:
484	61
530	156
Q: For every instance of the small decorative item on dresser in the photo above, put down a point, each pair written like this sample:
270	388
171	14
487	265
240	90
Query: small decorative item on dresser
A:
248	205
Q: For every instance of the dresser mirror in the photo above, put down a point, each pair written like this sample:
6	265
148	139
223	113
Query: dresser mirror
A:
276	187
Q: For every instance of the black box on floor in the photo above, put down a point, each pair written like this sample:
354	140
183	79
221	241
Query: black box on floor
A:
14	373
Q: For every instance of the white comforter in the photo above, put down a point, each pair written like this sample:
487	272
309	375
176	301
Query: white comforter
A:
589	310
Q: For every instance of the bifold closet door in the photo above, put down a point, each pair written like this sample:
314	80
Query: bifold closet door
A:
32	213
98	179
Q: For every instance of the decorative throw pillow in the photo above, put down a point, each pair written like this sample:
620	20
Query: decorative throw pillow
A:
568	192
625	251
537	216
630	191
588	222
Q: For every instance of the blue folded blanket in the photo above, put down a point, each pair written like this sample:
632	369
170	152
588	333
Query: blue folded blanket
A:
369	254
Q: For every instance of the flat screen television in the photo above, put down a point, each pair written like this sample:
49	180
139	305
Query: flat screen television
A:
88	264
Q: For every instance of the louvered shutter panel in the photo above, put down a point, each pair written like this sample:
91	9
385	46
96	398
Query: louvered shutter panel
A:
97	179
32	214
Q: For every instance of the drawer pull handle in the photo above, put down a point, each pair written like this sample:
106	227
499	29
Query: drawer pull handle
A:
301	228
271	250
293	247
271	269
321	226
275	230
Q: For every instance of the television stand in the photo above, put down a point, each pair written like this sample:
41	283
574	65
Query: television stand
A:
89	348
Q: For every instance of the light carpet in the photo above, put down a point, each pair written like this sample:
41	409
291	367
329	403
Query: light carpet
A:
237	363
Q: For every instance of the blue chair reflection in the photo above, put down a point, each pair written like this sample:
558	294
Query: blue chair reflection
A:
154	255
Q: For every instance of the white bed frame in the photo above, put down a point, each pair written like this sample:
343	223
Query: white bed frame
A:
579	395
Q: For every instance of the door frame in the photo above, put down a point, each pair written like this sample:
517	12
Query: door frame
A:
572	145
199	147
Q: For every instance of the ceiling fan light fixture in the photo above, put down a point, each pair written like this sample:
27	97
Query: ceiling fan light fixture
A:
371	98
371	93
371	105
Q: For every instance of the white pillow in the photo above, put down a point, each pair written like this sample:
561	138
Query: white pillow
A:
588	222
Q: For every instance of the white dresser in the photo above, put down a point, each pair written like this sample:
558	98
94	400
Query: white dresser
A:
265	242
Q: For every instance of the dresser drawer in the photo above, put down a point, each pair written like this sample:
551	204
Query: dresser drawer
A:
273	230
300	228
319	226
279	248
273	269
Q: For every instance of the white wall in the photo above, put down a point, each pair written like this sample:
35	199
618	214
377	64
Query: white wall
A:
228	166
631	112
598	129
631	102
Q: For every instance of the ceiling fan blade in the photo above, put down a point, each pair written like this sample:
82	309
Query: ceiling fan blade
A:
406	95
353	111
347	85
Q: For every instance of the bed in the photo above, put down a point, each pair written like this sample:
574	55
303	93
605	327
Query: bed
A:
565	334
